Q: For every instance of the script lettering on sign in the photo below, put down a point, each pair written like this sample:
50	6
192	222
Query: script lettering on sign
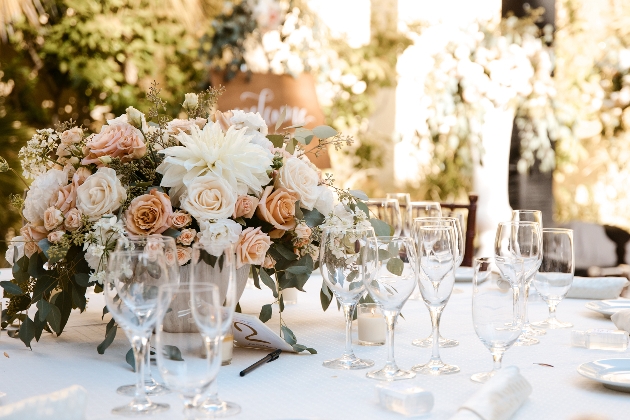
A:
295	114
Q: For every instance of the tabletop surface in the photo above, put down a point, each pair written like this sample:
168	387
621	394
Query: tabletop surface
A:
298	387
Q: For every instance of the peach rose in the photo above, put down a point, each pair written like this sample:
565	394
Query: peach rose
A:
55	236
302	231
245	206
177	125
65	199
171	257
278	208
149	213
52	218
73	220
72	136
269	262
183	255
223	118
187	237
80	176
32	234
252	247
122	141
181	219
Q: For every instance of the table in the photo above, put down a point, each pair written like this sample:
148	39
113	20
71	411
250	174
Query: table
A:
298	387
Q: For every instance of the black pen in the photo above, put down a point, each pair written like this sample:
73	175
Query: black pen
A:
268	358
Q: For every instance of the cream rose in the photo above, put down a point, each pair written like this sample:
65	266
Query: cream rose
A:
278	208
55	236
149	213
245	206
100	194
216	236
122	141
298	177
302	231
269	262
181	219
135	117
187	237
209	197
177	125
68	138
73	220
65	199
52	218
252	247
191	101
183	255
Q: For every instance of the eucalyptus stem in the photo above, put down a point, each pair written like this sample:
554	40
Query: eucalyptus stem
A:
20	177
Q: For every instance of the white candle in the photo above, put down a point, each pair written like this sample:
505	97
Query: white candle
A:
372	328
227	345
289	296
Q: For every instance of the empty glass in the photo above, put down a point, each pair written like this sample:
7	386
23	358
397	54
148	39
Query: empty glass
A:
130	289
386	210
393	268
425	209
404	202
188	340
437	252
219	270
342	262
555	274
494	313
521	239
158	244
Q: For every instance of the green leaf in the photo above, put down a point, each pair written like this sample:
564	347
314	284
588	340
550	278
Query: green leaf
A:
265	313
54	318
282	250
11	288
297	269
355	285
131	360
44	309
298	211
291	145
359	195
303	135
240	221
288	335
324	297
383	255
276	139
281	118
281	303
105	311
78	299
36	266
324	131
353	275
313	217
380	228
395	266
27	332
44	285
44	245
255	276
364	208
64	303
266	278
172	353
173	233
238	309
109	337
39	326
82	279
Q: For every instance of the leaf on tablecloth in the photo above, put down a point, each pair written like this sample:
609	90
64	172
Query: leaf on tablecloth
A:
6	354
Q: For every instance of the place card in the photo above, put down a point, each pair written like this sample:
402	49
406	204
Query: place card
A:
249	331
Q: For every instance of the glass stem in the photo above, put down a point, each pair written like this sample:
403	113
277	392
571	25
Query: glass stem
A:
552	310
139	346
148	378
348	310
436	313
190	410
516	303
390	318
497	357
528	283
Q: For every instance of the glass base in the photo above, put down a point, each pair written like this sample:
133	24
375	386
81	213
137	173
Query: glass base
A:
428	342
151	389
529	330
133	409
218	408
435	368
553	324
348	363
525	340
388	374
482	377
369	343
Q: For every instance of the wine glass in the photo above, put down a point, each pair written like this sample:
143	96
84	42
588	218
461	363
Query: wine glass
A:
437	252
404	202
155	244
555	274
188	339
442	221
521	239
393	265
386	210
220	270
529	216
130	289
425	209
495	316
343	264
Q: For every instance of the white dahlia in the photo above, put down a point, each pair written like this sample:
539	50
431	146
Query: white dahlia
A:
228	155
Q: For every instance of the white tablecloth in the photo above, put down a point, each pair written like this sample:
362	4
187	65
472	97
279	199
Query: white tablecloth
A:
298	387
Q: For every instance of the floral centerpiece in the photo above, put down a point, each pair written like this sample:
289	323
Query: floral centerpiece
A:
217	178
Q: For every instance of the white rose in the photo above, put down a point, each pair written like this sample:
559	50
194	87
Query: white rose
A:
249	120
218	235
17	242
325	200
135	117
298	177
191	101
209	197
39	194
100	194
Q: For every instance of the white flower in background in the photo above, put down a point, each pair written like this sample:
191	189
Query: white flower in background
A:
135	117
325	200
191	101
101	241
268	15
100	194
217	235
256	126
16	242
297	176
228	155
209	197
32	156
41	191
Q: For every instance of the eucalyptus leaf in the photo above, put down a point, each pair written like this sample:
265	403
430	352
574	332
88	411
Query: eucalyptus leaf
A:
291	145
395	266
173	233
44	309
288	335
27	332
281	118
82	279
54	319
276	139
364	208
313	217
255	276
266	278
109	338
11	288
172	353
359	194
380	228
265	313
131	360
324	131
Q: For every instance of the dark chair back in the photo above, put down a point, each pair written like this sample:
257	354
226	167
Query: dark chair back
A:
471	229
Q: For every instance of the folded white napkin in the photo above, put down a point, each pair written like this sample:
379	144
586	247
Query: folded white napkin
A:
621	319
498	399
66	404
597	287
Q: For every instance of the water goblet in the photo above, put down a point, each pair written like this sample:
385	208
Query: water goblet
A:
218	267
130	289
425	209
154	244
343	264
529	216
494	313
394	273
437	254
386	210
404	202
446	221
555	274
188	340
521	239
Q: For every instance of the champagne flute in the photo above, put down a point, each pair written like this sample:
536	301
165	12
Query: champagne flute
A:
130	289
555	275
188	339
529	216
219	270
521	239
343	264
495	316
157	244
437	254
443	221
404	202
386	210
393	264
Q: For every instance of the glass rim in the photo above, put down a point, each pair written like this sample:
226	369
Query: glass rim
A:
380	200
155	236
422	218
188	285
557	230
425	202
512	257
348	229
440	227
526	211
519	222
